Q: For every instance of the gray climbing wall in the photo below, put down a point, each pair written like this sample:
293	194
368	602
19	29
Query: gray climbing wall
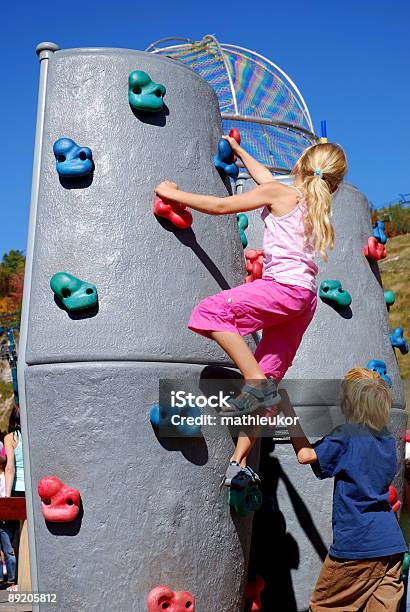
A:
152	511
300	504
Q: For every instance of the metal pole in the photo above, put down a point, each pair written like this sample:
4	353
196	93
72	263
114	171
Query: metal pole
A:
44	51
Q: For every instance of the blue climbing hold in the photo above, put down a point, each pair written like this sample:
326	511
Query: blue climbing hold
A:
379	232
72	160
397	340
224	160
170	420
379	366
243	223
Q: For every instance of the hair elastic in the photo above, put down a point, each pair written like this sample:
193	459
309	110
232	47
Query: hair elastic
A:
318	172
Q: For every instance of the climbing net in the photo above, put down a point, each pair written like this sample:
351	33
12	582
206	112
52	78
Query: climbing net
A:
254	95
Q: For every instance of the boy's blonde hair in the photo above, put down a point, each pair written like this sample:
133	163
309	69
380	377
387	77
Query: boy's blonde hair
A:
366	398
321	168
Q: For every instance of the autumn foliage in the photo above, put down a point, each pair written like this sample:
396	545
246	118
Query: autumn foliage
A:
11	284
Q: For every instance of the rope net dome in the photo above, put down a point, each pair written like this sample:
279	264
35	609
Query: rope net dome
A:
255	96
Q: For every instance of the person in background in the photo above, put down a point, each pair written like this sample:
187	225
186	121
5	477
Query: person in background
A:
9	558
14	472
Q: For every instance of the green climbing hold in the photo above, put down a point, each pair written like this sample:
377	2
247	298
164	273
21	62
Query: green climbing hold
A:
405	566
332	291
245	500
144	94
74	293
243	223
389	297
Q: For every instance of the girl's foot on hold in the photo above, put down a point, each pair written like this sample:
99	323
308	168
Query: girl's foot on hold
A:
12	587
236	476
260	394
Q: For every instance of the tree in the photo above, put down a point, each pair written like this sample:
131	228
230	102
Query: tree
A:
13	261
16	289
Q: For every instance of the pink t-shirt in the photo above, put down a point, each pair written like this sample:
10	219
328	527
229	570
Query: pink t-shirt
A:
287	259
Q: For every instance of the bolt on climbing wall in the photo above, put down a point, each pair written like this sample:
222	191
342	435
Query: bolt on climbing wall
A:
293	530
112	323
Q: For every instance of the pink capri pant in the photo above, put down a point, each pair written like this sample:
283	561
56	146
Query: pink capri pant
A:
282	311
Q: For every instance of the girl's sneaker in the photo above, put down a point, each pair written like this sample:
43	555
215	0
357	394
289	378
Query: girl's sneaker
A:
264	394
236	476
254	476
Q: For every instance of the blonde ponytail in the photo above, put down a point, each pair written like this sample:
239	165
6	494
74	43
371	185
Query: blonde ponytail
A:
320	168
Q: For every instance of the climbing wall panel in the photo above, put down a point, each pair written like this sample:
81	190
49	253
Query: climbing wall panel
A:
152	511
102	230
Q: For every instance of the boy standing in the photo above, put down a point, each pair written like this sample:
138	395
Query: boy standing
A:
362	569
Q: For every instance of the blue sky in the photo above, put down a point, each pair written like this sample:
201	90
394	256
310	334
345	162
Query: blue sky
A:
349	59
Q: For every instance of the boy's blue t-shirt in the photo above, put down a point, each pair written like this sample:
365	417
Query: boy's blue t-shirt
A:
363	463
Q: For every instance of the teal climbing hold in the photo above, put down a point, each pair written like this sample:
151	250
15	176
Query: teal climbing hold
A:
74	293
405	566
243	223
389	297
332	291
144	94
245	500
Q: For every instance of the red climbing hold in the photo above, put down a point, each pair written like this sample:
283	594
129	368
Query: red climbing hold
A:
164	598
374	249
253	594
59	503
394	499
254	264
176	213
235	133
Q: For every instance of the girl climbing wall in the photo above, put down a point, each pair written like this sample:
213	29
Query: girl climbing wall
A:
282	303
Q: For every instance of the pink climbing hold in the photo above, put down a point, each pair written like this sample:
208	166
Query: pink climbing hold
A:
394	499
164	598
59	503
253	594
374	249
176	213
254	264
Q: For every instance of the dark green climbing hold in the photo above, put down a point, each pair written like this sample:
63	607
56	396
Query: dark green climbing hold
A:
144	94
332	291
74	293
389	297
405	566
243	223
245	500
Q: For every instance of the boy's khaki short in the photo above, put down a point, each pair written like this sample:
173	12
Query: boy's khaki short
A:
371	585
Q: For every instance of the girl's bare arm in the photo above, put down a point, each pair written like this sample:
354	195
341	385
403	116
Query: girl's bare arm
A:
258	171
263	195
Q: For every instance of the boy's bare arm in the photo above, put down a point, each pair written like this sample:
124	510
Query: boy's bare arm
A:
304	452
